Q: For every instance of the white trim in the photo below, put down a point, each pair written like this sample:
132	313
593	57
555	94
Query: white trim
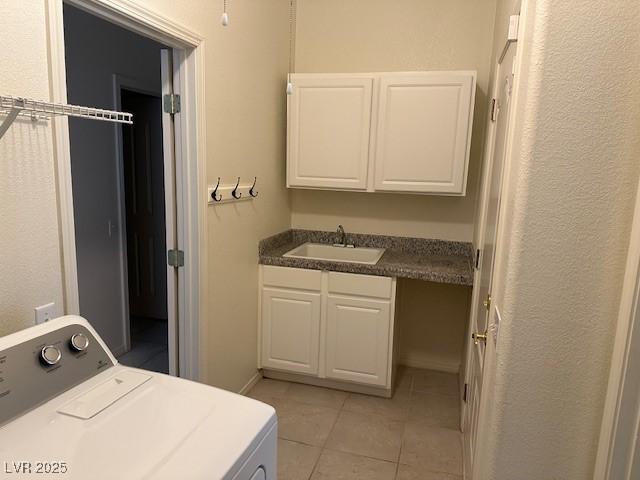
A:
141	20
483	429
193	162
251	383
619	415
58	85
424	361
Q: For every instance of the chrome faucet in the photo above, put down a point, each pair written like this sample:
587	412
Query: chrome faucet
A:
342	235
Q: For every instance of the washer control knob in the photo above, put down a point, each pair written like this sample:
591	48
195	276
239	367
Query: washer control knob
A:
50	355
79	342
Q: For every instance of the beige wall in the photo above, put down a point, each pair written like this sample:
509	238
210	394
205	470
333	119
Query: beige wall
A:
29	247
432	324
246	65
376	35
569	201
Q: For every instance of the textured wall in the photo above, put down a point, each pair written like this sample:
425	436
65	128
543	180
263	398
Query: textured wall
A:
376	35
29	247
570	195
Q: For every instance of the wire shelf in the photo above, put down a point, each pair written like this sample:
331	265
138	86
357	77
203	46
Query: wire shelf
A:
13	107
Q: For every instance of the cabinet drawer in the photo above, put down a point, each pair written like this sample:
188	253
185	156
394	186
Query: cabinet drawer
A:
286	277
363	285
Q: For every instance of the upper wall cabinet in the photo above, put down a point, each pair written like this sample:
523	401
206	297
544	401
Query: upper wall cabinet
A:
390	132
329	118
423	132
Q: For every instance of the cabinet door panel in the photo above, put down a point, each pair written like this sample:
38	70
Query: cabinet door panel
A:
291	330
329	121
423	132
358	339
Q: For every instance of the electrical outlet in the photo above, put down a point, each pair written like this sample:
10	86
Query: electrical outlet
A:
44	313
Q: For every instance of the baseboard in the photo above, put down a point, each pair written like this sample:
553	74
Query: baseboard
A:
424	361
249	385
328	383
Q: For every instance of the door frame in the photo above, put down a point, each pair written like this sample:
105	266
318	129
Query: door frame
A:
190	161
136	85
621	405
483	429
482	212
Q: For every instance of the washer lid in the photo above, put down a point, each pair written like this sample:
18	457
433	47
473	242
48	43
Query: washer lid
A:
142	433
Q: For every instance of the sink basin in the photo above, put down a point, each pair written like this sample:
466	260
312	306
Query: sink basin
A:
322	251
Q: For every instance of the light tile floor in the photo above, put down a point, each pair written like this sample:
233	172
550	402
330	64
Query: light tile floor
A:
329	434
149	339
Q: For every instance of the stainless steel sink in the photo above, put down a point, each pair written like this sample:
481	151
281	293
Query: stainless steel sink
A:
330	253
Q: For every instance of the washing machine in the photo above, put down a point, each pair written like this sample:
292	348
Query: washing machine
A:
68	410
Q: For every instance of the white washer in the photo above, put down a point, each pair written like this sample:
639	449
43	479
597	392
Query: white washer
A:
68	410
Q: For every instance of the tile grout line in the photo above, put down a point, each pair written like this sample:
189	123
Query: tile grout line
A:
324	444
323	449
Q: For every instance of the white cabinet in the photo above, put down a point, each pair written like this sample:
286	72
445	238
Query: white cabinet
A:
390	132
424	132
329	118
290	319
358	339
342	330
291	329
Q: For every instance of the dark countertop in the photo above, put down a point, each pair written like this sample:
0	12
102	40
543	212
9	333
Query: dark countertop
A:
431	260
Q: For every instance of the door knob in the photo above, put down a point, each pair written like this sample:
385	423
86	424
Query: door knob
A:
479	337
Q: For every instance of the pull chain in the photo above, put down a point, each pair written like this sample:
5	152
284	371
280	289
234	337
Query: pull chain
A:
292	48
224	20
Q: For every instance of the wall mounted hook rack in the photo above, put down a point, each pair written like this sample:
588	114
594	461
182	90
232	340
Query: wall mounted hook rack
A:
232	192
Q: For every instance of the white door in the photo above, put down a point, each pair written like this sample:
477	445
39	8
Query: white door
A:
290	330
424	132
329	120
492	189
357	344
168	145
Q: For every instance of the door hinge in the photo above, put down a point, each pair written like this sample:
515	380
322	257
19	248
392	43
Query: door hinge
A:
487	302
494	109
514	25
477	258
464	395
172	103
175	258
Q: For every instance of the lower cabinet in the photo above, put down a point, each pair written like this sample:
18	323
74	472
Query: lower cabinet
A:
358	339
330	325
291	329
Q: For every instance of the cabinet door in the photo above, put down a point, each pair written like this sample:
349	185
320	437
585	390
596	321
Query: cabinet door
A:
290	330
424	132
328	125
357	346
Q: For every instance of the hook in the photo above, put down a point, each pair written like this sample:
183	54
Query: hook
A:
214	195
235	193
252	192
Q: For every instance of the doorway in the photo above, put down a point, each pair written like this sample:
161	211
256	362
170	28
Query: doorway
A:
119	197
144	193
183	132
